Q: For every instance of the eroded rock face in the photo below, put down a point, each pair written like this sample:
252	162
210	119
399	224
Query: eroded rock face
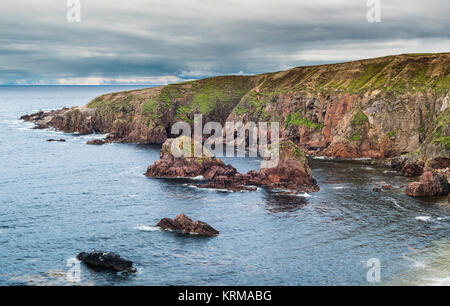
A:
430	184
106	260
292	170
184	224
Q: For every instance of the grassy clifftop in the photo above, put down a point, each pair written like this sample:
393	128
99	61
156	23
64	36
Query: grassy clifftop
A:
216	97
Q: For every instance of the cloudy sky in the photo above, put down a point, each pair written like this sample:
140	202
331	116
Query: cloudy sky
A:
165	41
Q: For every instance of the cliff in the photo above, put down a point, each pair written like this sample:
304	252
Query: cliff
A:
378	108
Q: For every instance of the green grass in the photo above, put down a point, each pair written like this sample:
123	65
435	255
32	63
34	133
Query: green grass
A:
288	149
354	137
442	124
298	119
115	104
149	107
359	119
391	134
372	71
444	141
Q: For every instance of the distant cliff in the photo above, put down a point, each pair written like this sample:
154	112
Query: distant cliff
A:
378	108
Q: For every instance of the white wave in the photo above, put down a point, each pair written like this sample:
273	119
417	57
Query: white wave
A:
416	263
303	195
281	190
322	157
93	136
207	189
394	201
367	168
423	218
197	178
146	228
445	281
339	187
51	131
419	265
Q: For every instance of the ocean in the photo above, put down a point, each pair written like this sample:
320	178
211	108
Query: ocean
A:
61	198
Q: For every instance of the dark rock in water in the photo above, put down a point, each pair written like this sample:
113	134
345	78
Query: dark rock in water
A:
440	163
58	140
41	126
184	224
407	167
412	170
430	184
36	116
376	189
169	224
98	142
106	260
386	187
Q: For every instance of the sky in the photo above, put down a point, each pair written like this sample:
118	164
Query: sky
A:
157	42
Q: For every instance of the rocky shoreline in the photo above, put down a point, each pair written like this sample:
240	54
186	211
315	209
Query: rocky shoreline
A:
394	109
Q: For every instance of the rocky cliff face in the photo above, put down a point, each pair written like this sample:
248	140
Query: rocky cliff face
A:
378	108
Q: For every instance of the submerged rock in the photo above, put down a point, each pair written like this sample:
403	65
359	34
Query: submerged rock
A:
106	260
376	189
430	184
386	187
97	142
58	140
184	224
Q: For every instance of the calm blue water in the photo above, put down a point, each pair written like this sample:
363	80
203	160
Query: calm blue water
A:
58	199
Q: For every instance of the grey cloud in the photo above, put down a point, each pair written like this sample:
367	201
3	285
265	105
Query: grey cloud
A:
198	38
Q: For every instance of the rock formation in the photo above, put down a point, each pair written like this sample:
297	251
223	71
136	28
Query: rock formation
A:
430	184
106	260
187	166
378	108
184	224
292	171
